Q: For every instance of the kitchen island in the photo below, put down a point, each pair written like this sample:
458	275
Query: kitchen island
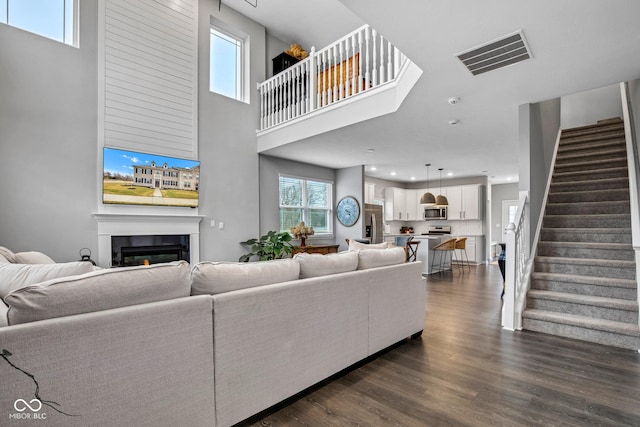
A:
426	253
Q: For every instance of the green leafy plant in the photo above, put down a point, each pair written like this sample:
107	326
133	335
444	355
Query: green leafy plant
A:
272	245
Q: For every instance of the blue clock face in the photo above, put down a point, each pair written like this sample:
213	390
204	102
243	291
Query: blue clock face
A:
348	211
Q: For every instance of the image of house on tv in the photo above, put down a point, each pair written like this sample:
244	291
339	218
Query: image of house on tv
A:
167	177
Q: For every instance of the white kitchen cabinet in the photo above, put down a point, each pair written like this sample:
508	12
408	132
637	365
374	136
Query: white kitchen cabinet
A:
464	202
412	197
395	204
369	192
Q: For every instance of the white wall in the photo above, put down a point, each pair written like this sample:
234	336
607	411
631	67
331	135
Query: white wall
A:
586	108
270	170
48	130
229	188
499	193
48	147
538	130
350	182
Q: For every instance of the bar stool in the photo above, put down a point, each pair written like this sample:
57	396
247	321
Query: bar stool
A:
403	242
412	250
448	246
461	245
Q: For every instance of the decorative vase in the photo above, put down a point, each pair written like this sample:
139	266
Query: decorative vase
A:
303	241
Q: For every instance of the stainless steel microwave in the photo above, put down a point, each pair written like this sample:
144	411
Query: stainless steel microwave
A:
435	213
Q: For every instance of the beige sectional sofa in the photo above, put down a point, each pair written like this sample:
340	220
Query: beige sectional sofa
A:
207	345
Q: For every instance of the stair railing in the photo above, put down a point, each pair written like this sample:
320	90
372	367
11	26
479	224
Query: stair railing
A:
516	265
358	62
519	263
633	167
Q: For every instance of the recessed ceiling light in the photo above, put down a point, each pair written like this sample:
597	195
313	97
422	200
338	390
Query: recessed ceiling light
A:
393	174
449	173
454	100
453	122
413	178
373	168
371	150
509	179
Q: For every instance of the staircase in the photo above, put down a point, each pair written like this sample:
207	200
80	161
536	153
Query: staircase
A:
584	284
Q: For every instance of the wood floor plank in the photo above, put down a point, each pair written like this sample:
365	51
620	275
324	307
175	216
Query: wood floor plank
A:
467	371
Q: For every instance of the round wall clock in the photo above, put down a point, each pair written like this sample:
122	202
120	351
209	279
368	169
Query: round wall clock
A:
348	211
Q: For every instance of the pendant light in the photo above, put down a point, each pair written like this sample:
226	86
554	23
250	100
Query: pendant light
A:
428	199
441	200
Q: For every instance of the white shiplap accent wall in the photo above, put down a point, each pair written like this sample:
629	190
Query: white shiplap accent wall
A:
149	76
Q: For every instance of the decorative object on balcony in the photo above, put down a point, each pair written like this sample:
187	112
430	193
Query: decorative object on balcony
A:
270	246
297	51
428	199
441	200
348	211
302	231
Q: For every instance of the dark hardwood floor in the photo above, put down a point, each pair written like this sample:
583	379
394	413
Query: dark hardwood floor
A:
467	371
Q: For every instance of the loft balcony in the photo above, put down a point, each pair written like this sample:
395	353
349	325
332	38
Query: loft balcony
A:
359	77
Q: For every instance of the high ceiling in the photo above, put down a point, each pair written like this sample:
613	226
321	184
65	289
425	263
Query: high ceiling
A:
577	45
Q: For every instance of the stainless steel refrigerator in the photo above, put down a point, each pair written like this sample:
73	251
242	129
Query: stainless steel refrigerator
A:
373	222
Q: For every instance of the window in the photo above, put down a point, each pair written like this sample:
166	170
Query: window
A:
305	200
54	19
227	65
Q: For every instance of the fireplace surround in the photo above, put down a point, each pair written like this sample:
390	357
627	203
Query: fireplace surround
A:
117	224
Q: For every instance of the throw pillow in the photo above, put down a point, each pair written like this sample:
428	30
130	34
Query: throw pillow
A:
99	290
7	254
353	245
3	260
212	278
314	265
16	276
371	258
32	258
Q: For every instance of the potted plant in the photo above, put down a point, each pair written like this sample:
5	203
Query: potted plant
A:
270	246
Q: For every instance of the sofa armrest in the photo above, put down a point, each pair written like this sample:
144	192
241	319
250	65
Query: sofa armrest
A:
113	367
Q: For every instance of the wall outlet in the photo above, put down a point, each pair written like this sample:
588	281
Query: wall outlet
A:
221	225
213	223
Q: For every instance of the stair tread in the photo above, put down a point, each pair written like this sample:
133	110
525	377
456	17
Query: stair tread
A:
605	230
589	216
588	245
607	302
586	280
613	135
586	261
591	172
591	181
600	190
621	328
591	203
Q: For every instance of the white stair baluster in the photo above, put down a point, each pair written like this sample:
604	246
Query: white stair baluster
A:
367	74
374	64
341	72
310	80
390	70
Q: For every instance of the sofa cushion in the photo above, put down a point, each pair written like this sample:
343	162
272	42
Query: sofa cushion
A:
16	276
353	245
3	314
371	258
98	290
32	257
217	277
3	260
314	265
7	254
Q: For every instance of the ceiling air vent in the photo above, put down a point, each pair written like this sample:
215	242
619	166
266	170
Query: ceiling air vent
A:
495	54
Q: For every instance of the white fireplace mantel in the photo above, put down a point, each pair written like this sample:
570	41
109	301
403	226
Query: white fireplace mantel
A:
132	224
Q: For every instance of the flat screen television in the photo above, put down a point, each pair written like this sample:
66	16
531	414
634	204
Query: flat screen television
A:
133	178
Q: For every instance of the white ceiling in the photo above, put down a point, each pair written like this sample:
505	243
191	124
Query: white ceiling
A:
577	45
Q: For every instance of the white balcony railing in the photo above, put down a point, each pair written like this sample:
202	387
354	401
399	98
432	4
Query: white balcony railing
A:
358	62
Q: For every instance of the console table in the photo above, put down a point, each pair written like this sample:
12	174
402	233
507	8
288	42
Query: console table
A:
316	249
